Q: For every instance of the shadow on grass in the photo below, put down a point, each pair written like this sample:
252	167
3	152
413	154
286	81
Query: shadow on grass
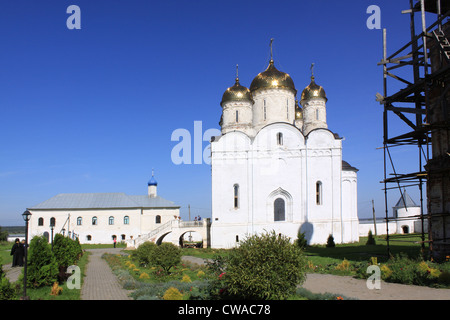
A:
359	252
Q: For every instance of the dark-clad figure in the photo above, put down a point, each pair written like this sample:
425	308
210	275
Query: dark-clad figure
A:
17	251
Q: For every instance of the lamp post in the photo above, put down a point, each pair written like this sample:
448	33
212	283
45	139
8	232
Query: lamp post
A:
26	217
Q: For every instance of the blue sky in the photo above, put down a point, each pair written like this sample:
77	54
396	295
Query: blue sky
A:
93	110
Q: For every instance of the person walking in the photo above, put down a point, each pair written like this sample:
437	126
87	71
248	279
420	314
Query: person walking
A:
17	251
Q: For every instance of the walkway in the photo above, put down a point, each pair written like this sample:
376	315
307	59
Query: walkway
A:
100	283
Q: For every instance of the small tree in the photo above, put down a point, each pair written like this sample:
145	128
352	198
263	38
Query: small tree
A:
42	265
330	242
301	241
166	256
7	291
370	239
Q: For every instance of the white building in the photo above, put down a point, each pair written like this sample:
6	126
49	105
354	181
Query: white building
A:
101	217
278	167
405	219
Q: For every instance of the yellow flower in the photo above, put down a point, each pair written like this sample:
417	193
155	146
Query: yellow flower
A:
144	275
172	294
186	278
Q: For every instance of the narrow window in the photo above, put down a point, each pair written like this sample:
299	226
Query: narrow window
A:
237	238
318	193
279	138
52	222
40	221
126	220
287	109
236	196
279	210
94	221
237	116
111	221
317	114
88	237
158	219
79	221
265	114
123	237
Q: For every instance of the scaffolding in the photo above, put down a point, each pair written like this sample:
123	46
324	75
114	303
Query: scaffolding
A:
412	104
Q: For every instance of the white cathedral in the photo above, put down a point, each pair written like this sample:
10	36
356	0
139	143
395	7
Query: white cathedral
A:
277	166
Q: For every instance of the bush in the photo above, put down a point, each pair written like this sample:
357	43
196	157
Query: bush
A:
166	256
370	239
173	294
42	265
330	242
7	291
265	267
67	252
301	241
144	253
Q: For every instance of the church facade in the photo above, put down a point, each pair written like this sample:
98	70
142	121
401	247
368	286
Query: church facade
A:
278	167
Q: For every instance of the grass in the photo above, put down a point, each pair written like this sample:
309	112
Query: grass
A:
359	251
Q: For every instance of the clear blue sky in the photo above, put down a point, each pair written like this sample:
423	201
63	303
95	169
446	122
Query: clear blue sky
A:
93	110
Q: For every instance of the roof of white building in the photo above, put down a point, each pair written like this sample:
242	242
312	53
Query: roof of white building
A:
102	200
409	201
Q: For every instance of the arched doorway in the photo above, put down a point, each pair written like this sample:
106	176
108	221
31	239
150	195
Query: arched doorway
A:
191	239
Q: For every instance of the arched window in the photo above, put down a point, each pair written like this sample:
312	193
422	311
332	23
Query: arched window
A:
158	219
41	222
236	196
111	220
123	237
279	209
88	237
126	220
52	222
237	116
79	221
318	193
94	221
279	138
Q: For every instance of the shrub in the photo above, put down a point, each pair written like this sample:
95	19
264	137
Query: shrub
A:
166	256
144	275
186	278
173	294
67	252
42	266
144	253
200	274
330	242
444	278
6	289
344	266
264	267
56	289
301	241
370	239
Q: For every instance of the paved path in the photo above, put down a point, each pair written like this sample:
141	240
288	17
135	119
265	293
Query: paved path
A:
100	283
357	288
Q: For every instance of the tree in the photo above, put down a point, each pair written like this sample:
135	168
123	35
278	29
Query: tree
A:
370	239
264	267
166	256
145	252
42	265
330	242
301	241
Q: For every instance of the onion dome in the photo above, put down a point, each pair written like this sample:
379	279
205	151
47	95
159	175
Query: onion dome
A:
152	181
236	93
272	78
313	91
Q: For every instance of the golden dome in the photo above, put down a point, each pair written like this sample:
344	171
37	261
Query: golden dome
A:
236	93
272	78
313	91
